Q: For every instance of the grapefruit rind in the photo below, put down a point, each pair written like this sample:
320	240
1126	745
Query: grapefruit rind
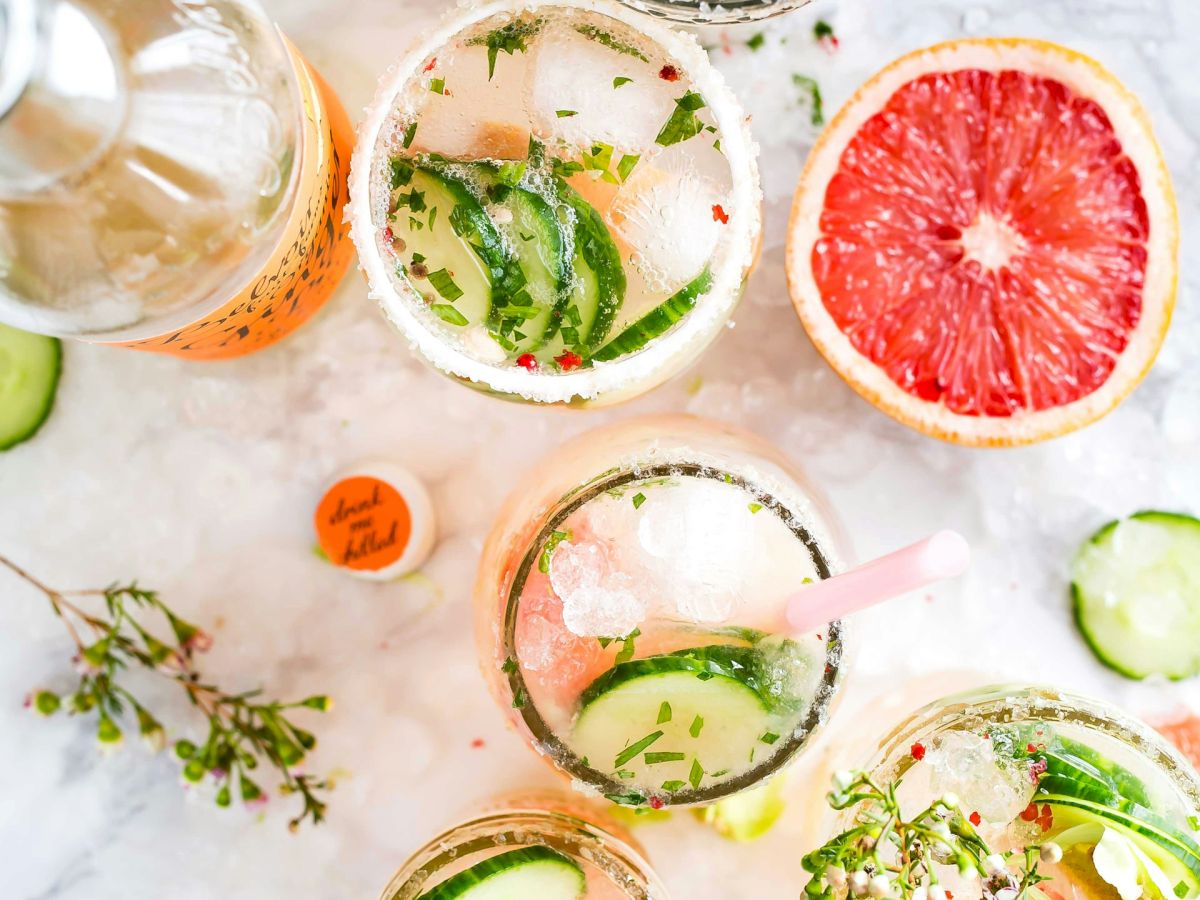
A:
1088	79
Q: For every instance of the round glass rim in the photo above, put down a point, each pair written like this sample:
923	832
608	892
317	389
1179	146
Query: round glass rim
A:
694	333
730	12
1024	702
264	245
449	846
563	757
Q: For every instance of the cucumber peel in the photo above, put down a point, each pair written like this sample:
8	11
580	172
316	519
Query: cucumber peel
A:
520	874
1135	590
656	322
30	367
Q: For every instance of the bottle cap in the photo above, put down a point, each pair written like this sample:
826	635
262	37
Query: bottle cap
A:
376	521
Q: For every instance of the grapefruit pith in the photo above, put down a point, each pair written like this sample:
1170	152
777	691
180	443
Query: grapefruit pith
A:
983	243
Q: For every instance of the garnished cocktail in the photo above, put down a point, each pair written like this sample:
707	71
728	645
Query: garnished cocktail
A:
556	201
540	849
1016	792
630	606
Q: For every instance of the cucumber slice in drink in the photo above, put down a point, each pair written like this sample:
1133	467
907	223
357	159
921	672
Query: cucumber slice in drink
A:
666	723
1174	852
453	255
657	321
30	365
516	875
1125	783
1136	594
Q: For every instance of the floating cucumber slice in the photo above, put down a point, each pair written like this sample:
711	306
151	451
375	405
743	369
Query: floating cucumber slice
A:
665	723
601	290
447	235
1171	850
516	875
1124	782
655	322
1135	587
30	365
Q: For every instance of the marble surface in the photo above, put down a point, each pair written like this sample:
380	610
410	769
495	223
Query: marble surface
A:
199	480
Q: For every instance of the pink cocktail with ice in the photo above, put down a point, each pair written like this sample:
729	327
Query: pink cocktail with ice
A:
631	608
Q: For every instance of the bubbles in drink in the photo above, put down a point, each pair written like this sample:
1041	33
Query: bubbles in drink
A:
966	764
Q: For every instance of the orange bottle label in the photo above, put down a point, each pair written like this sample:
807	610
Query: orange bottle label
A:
308	261
363	523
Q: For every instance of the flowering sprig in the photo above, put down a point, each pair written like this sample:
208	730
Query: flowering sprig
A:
243	732
885	855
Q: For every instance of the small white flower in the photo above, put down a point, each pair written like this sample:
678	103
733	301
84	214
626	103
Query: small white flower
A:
995	864
1050	853
937	892
842	779
1007	893
879	886
836	876
942	830
858	883
949	800
920	893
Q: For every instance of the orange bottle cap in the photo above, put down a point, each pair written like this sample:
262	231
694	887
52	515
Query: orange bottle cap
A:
376	520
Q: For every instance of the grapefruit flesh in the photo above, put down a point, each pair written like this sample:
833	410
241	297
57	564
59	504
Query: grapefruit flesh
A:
981	237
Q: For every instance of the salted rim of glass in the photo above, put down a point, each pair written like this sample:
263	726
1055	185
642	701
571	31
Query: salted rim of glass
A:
731	260
451	845
1033	703
701	12
815	716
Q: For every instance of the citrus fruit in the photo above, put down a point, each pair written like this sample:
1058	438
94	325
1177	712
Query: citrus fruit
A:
983	242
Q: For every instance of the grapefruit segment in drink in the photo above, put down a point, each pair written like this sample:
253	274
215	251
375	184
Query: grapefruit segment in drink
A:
984	241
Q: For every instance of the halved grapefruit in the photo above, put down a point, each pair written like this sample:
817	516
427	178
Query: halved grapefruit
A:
983	243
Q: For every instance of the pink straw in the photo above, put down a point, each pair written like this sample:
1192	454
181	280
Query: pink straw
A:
942	555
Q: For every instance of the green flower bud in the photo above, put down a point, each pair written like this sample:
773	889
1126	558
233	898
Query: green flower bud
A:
185	749
222	798
46	703
194	771
107	731
320	702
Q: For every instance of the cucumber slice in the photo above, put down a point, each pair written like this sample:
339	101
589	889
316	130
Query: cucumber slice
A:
1135	588
1124	782
600	289
746	816
664	723
445	229
655	322
1171	850
30	365
516	875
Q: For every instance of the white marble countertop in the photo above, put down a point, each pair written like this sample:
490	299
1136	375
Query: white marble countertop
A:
200	480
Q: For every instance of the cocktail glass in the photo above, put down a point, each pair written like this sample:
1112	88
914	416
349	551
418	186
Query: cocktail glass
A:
727	12
1028	766
556	202
630	611
542	846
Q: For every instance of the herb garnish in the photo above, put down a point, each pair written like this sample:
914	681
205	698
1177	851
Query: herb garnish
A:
626	652
755	43
402	171
565	113
664	757
437	85
552	542
664	713
635	748
694	728
683	123
600	36
813	92
695	774
625	166
621	80
448	313
244	733
638	499
510	38
409	133
755	507
673	785
444	285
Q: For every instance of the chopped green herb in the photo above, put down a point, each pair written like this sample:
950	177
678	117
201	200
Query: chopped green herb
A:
565	168
402	171
414	200
1194	823
822	30
519	699
813	92
415	224
525	237
624	774
683	123
625	166
717	145
604	642
755	507
633	798
565	113
444	285
418	257
721	774
806	580
552	542
673	785
438	85
626	652
620	80
769	737
664	713
636	748
509	666
510	38
653	759
704	676
511	173
432	216
1181	890
696	773
696	726
638	499
448	313
600	36
409	133
755	43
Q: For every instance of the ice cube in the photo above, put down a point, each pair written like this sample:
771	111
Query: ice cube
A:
666	212
965	763
597	601
570	92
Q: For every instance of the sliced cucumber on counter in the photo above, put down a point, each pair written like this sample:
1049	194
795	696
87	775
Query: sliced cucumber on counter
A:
670	722
30	365
521	874
1135	587
657	321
